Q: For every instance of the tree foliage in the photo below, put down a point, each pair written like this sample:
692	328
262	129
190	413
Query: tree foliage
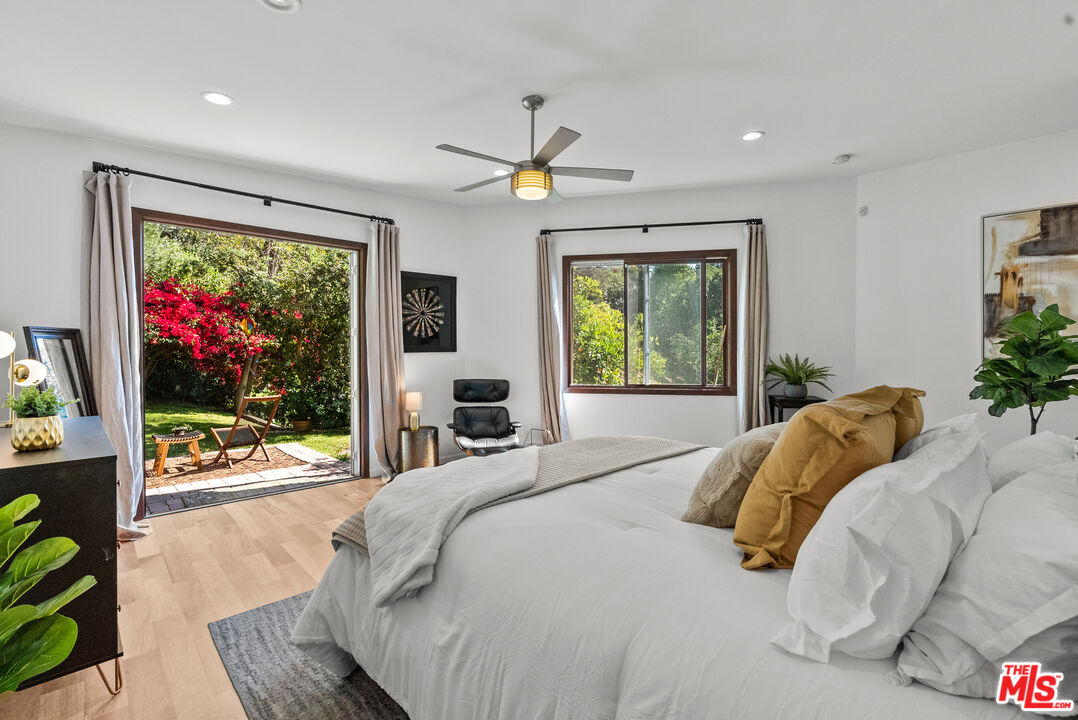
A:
201	285
601	333
1035	368
598	336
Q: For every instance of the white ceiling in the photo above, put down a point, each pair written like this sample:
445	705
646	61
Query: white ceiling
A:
364	90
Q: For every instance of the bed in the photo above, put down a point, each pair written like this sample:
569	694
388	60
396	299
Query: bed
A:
597	601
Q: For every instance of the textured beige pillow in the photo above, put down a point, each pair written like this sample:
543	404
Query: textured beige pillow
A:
717	496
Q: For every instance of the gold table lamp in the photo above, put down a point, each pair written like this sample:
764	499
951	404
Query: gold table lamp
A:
413	403
23	373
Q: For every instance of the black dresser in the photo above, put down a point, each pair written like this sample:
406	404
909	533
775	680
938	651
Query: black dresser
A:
77	486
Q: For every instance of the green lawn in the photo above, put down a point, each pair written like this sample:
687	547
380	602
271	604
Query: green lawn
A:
162	417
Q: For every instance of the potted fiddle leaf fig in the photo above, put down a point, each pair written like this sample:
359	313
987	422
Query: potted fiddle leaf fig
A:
38	425
797	374
1037	365
33	638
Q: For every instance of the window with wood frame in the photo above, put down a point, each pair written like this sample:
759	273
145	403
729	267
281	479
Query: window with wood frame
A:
660	322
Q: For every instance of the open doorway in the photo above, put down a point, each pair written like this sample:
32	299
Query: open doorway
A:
252	346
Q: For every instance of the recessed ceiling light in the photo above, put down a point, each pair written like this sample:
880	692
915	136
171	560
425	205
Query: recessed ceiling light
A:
217	98
842	159
284	6
753	135
499	173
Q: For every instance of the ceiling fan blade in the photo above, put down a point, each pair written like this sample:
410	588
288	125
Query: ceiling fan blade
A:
469	153
481	183
562	138
554	197
596	173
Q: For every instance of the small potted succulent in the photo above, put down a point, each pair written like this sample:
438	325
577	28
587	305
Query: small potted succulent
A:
38	425
797	374
181	430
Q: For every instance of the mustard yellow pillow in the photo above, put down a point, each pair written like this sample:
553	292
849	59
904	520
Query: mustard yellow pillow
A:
717	496
909	416
823	448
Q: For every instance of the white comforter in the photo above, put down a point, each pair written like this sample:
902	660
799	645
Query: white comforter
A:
409	519
596	601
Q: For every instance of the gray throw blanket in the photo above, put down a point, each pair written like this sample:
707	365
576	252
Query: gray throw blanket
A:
559	465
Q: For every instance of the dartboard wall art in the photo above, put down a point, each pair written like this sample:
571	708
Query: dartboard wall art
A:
429	312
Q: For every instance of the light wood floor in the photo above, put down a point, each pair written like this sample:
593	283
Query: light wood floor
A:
197	567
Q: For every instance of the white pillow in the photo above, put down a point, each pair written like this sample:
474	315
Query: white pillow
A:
961	423
1010	596
868	568
1033	452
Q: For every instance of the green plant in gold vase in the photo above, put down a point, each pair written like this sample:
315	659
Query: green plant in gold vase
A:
37	425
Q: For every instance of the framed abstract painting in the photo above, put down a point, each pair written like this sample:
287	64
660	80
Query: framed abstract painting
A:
429	312
1029	261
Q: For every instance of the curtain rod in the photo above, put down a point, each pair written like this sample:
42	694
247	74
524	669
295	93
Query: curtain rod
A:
645	227
267	200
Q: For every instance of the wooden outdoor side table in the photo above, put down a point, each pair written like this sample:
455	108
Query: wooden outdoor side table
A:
165	441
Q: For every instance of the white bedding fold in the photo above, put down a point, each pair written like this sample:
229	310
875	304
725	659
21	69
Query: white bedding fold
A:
408	520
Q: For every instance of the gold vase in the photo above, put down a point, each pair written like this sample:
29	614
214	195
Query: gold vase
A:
37	433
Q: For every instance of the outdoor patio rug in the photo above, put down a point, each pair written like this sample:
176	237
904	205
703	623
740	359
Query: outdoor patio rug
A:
178	469
275	681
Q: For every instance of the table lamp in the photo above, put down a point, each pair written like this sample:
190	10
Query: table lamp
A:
23	373
413	403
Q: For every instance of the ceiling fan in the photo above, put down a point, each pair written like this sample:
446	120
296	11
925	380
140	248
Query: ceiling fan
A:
532	179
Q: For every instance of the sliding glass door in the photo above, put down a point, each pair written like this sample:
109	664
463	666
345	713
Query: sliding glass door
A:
252	358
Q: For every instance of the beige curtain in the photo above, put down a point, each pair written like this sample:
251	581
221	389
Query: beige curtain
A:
551	408
752	331
385	344
115	339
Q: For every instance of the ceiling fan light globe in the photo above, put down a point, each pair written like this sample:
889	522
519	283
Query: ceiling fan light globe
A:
531	184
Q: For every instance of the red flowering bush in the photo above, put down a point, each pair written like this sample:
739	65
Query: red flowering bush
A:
186	323
297	294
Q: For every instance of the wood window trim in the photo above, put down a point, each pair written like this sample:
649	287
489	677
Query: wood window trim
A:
727	256
141	216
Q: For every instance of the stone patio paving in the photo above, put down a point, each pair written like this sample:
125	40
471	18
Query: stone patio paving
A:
318	468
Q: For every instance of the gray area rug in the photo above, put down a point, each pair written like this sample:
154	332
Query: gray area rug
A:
275	681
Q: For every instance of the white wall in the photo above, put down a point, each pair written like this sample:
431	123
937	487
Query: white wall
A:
891	297
919	284
811	238
45	215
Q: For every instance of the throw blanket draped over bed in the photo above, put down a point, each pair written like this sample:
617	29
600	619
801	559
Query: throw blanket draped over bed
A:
404	525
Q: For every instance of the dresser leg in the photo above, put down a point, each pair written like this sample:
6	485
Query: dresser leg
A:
117	680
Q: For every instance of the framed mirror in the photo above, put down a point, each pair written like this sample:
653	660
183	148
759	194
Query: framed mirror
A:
62	353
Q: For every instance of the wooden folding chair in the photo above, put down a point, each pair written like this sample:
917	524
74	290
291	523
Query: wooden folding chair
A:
239	436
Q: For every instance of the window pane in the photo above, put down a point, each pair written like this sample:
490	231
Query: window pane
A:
635	276
665	304
716	324
598	355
